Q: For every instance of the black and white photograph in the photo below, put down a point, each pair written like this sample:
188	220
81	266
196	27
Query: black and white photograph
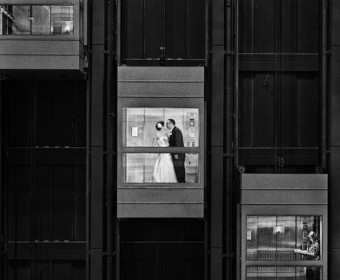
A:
169	139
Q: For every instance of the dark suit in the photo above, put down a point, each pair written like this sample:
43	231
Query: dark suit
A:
176	140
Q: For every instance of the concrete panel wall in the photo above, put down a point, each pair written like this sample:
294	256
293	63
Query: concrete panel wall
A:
161	82
287	189
18	54
161	202
31	52
160	210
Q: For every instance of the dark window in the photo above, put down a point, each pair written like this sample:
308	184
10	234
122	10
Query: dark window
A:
162	249
280	82
169	32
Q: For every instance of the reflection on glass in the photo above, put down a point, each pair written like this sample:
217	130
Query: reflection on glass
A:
21	23
62	20
285	238
283	272
81	23
41	20
157	168
36	20
139	125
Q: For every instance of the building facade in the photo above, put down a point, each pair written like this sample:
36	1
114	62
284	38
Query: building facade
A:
97	184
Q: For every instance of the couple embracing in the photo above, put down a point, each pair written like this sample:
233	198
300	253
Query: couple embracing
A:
169	168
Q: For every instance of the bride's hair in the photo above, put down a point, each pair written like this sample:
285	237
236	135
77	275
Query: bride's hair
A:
159	125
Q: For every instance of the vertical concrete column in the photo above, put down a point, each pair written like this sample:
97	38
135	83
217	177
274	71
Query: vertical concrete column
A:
216	137
96	137
222	214
334	140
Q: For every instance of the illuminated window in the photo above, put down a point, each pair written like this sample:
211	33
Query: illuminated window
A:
37	20
41	20
140	125
81	23
62	20
160	145
283	272
158	168
21	20
283	238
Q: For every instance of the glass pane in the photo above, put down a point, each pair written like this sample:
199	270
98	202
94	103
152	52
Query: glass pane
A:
81	24
283	238
160	168
139	126
306	225
266	240
5	19
21	23
284	272
41	20
62	20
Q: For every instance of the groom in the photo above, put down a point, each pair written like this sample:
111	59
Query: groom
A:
176	140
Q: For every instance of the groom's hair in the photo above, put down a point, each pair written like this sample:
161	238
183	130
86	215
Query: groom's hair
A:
172	121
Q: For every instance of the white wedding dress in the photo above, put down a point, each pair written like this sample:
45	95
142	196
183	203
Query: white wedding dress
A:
163	170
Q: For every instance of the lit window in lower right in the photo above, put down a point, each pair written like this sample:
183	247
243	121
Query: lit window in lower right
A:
284	272
284	238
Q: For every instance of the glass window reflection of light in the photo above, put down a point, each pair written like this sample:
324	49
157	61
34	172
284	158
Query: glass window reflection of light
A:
36	20
274	238
139	125
41	20
281	272
62	20
21	21
138	167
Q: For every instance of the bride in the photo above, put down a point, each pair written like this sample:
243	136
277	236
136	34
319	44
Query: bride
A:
163	170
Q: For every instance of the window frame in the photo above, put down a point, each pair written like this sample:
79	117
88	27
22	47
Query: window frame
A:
284	210
160	103
50	34
162	60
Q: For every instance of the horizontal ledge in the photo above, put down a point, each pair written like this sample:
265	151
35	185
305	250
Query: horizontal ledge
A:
284	204
162	81
152	96
278	148
168	203
158	150
166	59
161	187
47	147
57	242
278	54
47	38
163	242
284	189
284	263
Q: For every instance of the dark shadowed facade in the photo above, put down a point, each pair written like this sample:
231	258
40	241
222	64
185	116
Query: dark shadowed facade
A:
245	185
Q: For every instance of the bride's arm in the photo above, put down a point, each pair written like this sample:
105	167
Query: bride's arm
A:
155	140
155	143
